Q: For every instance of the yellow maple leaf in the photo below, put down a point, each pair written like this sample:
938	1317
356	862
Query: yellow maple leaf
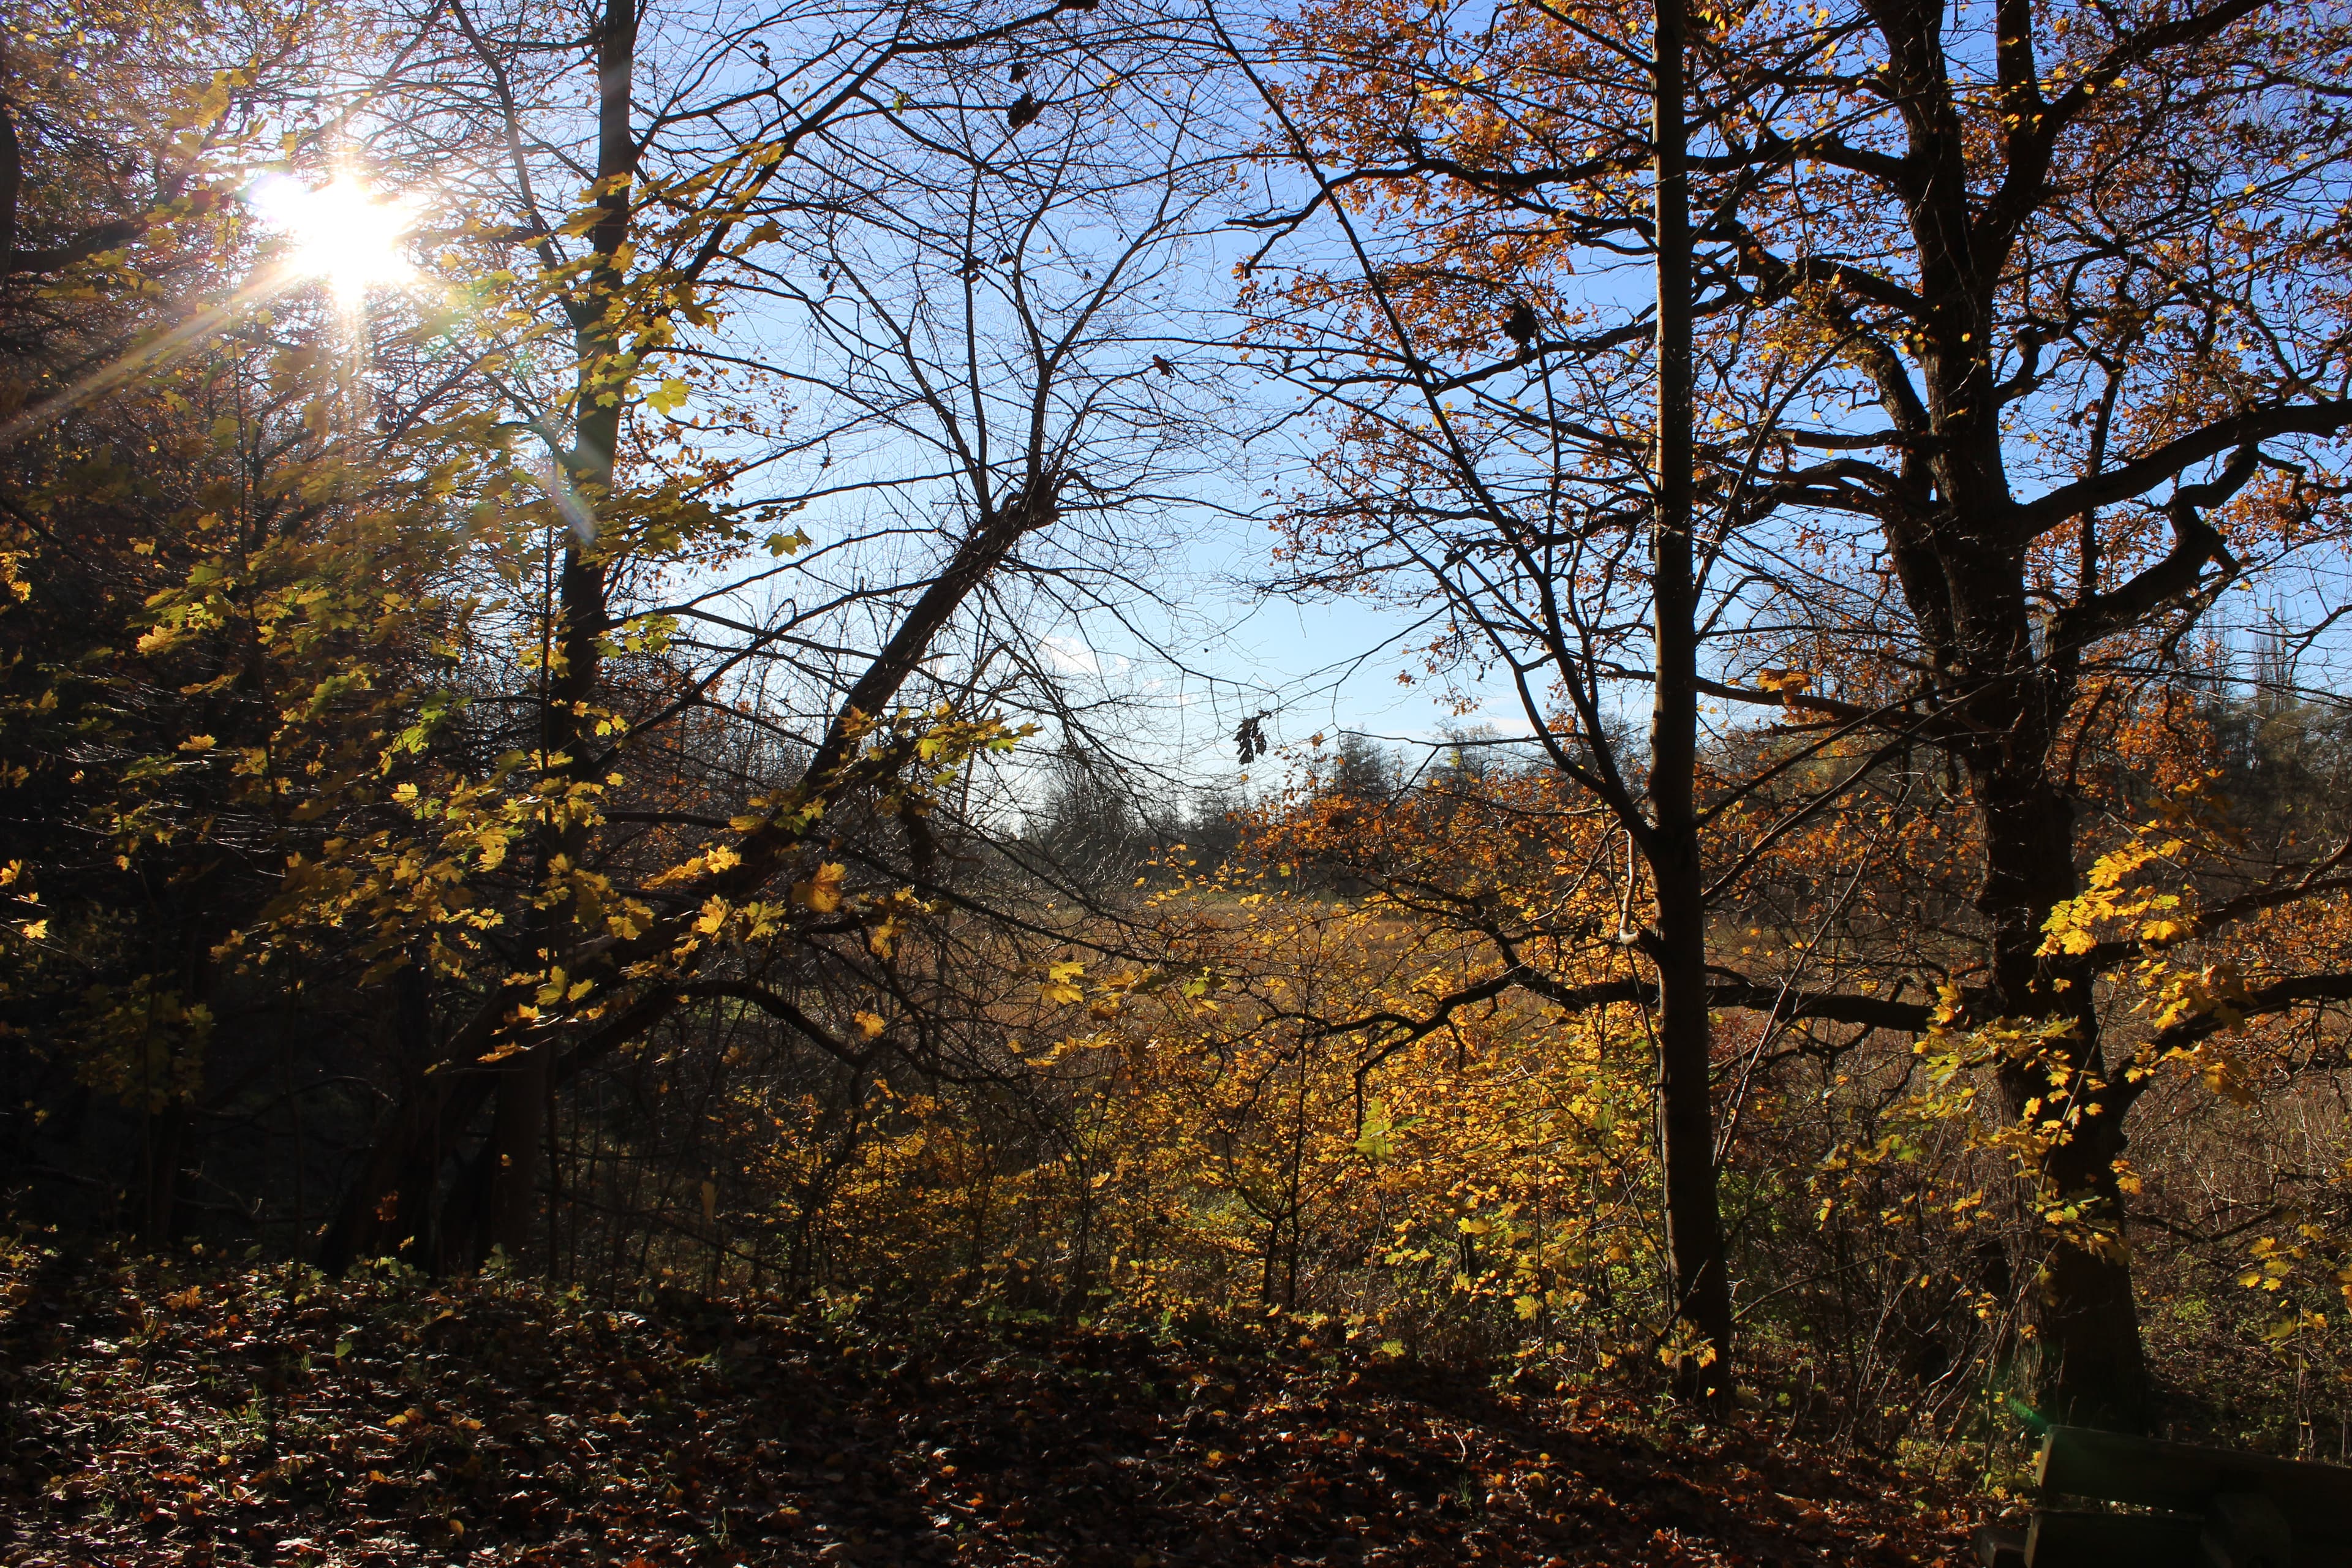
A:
821	892
1058	977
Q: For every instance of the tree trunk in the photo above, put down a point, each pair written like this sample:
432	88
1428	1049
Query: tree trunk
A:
509	1205
400	1171
415	1236
166	1133
2090	1368
12	175
503	1053
1685	1106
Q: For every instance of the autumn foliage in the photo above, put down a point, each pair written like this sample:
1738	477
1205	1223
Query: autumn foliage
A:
559	788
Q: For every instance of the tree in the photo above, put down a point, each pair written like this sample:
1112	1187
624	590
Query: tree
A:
920	272
610	623
2084	266
1511	485
221	607
2073	268
1087	827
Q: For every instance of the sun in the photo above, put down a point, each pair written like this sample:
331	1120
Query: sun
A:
340	233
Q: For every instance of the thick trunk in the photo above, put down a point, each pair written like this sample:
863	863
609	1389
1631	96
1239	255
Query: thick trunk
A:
2078	1299
2090	1369
1685	1109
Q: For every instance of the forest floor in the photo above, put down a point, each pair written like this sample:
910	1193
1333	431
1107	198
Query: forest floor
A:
206	1415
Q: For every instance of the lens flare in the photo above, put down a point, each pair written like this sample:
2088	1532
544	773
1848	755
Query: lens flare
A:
340	233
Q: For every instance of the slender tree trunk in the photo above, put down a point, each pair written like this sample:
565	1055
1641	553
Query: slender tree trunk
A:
1685	1109
12	175
497	1054
510	1204
415	1236
430	1116
166	1133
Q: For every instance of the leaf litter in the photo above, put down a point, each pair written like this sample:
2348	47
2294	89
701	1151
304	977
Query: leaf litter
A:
164	1412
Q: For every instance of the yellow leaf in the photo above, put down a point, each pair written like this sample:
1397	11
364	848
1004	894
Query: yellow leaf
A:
821	892
868	1024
